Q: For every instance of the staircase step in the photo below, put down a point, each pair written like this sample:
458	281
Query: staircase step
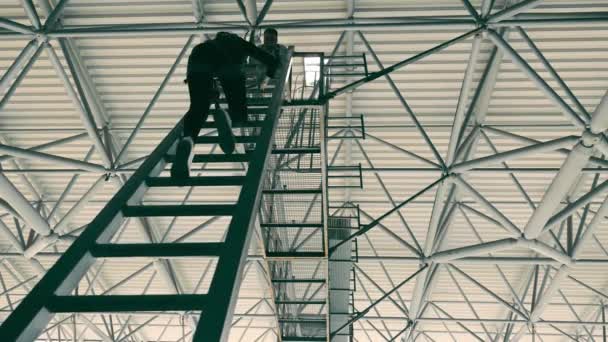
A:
301	280
221	158
215	158
291	225
292	191
179	210
239	139
157	250
301	302
254	110
122	303
297	150
196	181
252	123
303	339
303	255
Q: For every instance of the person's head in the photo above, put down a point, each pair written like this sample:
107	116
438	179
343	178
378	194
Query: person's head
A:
271	36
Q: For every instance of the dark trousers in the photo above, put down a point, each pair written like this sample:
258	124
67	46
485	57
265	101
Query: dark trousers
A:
201	89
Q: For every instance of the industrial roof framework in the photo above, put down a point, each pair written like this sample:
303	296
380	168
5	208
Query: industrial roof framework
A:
495	197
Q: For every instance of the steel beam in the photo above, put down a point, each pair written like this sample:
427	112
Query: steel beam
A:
14	197
514	10
154	99
86	117
420	23
385	72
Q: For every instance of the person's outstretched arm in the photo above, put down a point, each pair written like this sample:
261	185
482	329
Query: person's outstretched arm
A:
269	60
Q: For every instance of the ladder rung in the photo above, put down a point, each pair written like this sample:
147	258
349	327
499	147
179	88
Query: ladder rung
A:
241	139
320	281
302	320
196	181
291	225
214	158
220	158
258	102
292	191
295	254
158	250
303	339
179	210
300	150
252	123
121	303
300	302
253	110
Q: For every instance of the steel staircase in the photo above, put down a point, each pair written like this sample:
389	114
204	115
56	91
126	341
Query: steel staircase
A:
54	293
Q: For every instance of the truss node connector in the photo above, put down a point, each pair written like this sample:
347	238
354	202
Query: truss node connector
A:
110	174
483	25
40	244
590	139
41	37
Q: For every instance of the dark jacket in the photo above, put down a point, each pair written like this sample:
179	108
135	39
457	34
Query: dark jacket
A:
227	50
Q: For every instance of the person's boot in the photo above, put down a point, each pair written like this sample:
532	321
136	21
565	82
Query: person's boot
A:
223	123
183	159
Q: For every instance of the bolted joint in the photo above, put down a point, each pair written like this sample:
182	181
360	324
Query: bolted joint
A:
589	139
41	37
482	24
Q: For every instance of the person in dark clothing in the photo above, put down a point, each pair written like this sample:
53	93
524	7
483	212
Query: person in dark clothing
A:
221	57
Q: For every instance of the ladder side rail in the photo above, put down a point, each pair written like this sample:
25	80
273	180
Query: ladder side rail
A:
214	324
29	319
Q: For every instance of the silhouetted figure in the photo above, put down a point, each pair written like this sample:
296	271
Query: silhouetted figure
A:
221	57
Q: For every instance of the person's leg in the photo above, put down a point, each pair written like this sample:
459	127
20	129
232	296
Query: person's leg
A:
233	83
200	87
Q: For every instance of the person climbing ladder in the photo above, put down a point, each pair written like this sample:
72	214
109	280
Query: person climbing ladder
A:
221	57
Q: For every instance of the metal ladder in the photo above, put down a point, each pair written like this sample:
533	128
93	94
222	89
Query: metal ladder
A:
53	293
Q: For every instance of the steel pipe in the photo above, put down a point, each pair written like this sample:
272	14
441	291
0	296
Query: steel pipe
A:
498	216
15	26
155	98
86	118
463	98
552	71
14	197
7	235
595	223
574	206
599	121
546	250
516	153
19	61
40	244
482	248
542	84
513	10
561	274
31	154
45	146
60	228
53	17
9	93
30	10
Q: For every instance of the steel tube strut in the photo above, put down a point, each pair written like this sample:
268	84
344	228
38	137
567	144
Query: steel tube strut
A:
542	84
401	64
403	102
18	63
14	197
15	26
